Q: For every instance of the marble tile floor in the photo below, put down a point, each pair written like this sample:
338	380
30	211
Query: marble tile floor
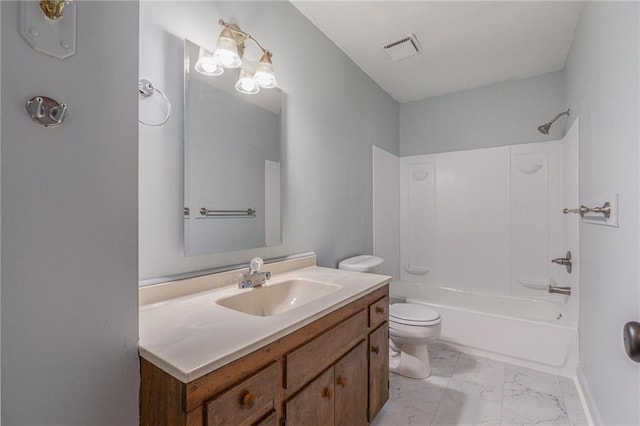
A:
466	390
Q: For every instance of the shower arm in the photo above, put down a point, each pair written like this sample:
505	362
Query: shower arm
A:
553	120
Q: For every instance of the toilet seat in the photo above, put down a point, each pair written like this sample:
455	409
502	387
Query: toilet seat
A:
413	314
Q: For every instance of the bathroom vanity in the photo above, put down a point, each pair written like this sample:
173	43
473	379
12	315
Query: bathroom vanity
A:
323	362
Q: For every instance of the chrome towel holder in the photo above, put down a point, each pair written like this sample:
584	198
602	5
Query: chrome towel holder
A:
605	210
146	89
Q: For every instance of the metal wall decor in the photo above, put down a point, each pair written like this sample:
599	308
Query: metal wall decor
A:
46	111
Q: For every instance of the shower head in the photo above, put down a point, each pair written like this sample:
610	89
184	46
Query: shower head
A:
544	129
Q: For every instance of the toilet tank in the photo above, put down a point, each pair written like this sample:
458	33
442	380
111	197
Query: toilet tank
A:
362	263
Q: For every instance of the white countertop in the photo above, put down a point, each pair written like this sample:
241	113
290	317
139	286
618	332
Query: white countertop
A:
190	336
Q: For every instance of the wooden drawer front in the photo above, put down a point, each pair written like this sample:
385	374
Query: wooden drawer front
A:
379	312
247	402
306	362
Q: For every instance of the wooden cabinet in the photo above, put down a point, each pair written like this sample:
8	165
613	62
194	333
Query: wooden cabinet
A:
334	370
378	369
313	405
335	397
351	377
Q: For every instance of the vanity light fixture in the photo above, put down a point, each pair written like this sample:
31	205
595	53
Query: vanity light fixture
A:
229	49
264	73
52	9
228	54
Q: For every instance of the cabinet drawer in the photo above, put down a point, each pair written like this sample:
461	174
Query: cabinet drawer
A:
306	362
247	402
379	312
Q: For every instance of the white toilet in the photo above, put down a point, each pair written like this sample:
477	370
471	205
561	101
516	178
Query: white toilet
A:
411	327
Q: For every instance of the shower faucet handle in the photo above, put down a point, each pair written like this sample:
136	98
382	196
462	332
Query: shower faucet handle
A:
564	261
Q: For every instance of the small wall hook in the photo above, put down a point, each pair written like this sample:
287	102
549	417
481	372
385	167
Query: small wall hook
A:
46	111
35	107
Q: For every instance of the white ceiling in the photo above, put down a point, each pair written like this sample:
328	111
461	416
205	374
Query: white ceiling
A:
465	44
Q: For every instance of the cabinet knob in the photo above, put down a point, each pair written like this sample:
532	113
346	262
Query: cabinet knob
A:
341	381
375	349
380	310
248	399
327	393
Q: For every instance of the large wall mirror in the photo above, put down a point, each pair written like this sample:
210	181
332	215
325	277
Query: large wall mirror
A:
232	163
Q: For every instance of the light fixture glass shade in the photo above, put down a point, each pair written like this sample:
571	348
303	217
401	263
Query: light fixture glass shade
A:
226	54
264	76
246	84
206	64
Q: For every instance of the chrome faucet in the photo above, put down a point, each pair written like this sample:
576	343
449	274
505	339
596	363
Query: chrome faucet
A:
254	278
560	290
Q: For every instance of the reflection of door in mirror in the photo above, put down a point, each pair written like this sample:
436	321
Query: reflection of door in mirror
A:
232	163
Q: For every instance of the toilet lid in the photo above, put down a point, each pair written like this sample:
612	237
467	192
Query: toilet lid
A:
412	313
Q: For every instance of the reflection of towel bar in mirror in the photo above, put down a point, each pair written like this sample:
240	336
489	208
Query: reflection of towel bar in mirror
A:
206	213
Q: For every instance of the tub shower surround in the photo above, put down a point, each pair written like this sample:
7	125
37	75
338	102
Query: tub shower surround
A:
478	231
486	220
534	333
473	390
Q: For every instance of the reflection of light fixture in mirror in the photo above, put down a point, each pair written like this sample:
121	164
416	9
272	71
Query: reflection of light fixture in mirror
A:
229	52
246	84
206	64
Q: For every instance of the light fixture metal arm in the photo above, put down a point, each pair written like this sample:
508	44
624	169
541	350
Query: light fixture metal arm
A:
237	30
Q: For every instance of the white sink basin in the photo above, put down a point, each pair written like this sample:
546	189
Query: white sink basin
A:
274	299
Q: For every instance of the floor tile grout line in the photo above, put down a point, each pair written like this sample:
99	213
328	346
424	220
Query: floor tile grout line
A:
446	387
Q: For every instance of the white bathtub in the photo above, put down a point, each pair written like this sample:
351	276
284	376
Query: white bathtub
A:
535	333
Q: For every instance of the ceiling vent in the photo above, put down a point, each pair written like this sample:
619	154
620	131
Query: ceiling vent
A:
402	47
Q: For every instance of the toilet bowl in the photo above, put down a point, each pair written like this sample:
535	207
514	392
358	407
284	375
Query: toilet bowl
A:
411	327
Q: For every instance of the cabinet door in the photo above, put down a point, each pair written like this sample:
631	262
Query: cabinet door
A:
378	369
270	420
351	387
313	405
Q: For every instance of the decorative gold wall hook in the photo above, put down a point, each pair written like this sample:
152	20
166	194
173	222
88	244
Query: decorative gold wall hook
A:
52	8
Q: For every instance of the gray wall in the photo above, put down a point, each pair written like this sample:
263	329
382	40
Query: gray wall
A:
602	89
496	115
69	226
334	113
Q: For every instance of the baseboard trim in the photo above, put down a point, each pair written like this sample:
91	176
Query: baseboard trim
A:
586	398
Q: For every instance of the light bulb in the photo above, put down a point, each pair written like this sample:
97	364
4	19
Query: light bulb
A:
246	84
264	76
226	54
206	64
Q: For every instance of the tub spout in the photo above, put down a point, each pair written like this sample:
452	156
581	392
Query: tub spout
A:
560	290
